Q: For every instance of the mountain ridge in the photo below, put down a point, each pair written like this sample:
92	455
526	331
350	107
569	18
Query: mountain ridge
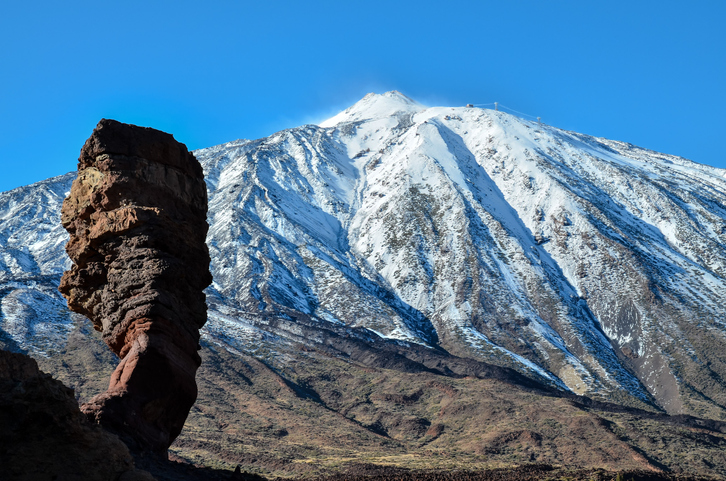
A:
587	264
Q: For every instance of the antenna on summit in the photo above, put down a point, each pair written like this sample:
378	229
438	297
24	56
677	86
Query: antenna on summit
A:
496	105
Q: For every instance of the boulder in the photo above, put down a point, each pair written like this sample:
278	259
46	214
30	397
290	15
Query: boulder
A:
43	434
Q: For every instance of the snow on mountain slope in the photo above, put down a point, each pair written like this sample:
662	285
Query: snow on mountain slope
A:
592	264
32	240
32	259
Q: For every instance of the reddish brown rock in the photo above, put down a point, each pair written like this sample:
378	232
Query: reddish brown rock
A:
136	215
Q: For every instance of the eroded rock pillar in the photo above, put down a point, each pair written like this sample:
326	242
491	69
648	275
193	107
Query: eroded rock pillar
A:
136	215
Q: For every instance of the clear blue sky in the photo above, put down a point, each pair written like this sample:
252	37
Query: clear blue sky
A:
652	73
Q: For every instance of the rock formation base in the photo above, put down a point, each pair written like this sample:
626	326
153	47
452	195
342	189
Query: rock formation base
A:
43	435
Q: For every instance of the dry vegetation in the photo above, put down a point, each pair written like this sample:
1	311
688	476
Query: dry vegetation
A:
322	415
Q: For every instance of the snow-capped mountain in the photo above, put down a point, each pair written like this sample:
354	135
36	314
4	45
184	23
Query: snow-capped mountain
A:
589	264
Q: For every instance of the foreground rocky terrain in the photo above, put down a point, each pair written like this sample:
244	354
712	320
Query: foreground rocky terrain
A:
524	473
326	414
377	422
428	288
44	433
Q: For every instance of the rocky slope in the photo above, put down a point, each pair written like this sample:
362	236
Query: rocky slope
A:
589	264
45	436
439	240
331	406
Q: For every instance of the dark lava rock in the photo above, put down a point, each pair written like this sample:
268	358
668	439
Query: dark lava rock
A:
136	215
43	434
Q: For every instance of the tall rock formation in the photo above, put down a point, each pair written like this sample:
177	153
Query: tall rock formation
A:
136	215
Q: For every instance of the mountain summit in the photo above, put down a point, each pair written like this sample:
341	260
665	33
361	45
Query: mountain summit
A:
590	265
374	106
576	260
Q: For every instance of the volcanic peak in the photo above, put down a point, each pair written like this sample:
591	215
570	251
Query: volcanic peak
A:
376	106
